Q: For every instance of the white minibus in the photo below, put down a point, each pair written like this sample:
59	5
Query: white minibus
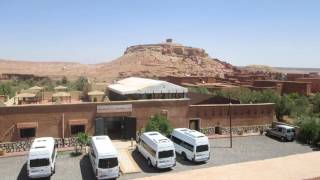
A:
191	144
157	149
42	158
104	158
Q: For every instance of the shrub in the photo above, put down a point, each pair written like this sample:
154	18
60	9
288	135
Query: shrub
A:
309	131
82	140
159	123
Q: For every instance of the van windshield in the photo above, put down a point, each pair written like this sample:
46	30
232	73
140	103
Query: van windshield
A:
202	148
165	154
108	163
39	162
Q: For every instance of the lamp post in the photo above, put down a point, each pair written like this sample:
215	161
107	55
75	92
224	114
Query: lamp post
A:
230	122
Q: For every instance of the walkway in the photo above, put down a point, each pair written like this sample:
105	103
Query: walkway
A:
301	166
127	163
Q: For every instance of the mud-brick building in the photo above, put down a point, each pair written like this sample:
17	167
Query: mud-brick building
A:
244	117
122	119
284	87
315	83
180	80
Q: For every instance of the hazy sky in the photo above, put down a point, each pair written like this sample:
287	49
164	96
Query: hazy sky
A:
242	32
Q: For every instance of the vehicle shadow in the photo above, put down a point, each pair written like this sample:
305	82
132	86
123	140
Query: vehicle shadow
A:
23	173
277	139
24	176
86	169
142	163
187	162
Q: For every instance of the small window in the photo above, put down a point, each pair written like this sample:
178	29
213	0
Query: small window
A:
28	133
75	129
165	154
202	148
108	163
39	162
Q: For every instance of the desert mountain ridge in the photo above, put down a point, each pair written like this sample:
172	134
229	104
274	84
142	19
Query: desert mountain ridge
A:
148	60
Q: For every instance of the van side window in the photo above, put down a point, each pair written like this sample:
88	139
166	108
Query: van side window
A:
182	143
148	148
176	140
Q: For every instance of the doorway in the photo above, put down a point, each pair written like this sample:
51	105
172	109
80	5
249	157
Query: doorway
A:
194	124
120	127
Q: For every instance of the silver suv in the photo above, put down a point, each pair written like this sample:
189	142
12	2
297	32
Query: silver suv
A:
284	132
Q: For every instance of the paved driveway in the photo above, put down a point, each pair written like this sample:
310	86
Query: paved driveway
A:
244	149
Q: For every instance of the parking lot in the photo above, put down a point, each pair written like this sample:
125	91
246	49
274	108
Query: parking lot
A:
244	149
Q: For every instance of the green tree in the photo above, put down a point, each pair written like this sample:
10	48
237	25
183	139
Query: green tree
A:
309	129
284	107
159	123
82	140
5	89
64	80
301	104
81	84
316	104
201	90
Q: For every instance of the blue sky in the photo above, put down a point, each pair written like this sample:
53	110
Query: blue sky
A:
242	32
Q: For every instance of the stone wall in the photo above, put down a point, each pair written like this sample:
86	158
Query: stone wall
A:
21	146
240	130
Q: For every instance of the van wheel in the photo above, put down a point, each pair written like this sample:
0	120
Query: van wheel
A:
149	163
184	156
282	139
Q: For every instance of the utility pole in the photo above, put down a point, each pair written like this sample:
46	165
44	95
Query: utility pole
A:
230	122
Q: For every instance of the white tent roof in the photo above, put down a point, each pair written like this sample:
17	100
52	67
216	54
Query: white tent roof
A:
135	85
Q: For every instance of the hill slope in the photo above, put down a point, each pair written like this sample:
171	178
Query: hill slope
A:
142	60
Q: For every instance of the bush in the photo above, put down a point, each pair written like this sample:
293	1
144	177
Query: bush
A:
159	123
82	140
309	131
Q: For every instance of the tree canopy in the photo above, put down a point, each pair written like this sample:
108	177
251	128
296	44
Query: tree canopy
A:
159	123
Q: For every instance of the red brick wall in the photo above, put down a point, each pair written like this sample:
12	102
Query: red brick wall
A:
296	87
49	117
315	83
241	114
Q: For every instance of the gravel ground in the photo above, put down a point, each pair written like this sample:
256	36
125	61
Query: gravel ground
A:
244	149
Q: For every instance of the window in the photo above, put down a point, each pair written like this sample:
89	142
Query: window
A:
148	148
187	146
75	129
108	163
165	154
182	143
39	162
202	148
28	133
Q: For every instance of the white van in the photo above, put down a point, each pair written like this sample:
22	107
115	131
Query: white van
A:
42	158
104	158
191	144
157	149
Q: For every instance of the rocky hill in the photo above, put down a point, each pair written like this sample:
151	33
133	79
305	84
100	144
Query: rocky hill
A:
152	60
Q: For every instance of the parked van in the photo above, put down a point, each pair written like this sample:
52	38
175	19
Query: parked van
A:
283	132
42	158
157	149
104	158
191	144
